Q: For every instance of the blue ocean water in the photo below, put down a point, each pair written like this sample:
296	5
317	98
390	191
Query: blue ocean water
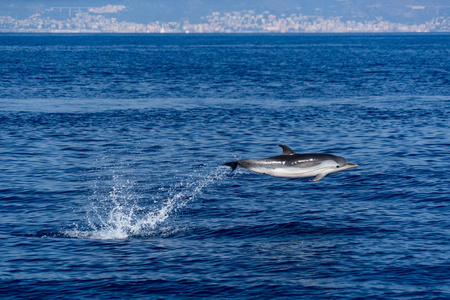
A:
112	184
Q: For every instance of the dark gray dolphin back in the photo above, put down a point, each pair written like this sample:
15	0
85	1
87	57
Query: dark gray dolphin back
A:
313	158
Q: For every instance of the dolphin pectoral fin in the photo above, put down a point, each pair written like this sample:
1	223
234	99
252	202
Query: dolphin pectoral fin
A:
318	177
286	150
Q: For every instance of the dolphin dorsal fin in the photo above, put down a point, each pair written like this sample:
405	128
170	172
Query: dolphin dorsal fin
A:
286	150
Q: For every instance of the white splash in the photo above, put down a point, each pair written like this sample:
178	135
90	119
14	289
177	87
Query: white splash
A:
122	212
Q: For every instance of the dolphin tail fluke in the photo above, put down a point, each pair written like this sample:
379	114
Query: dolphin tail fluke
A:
232	164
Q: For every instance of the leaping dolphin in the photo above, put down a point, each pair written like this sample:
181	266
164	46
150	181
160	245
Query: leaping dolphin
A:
294	165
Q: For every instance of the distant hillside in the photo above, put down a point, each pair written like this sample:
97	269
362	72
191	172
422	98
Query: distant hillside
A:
145	11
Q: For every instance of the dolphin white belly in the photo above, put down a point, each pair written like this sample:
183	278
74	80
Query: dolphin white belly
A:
298	171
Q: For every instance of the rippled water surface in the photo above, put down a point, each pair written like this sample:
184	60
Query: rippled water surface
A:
112	184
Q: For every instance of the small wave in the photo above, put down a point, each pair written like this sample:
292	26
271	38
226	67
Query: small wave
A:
120	212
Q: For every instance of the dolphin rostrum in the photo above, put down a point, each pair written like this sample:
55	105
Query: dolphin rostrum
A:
293	165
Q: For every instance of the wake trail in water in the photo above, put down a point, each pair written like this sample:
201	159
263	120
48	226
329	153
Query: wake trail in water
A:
122	212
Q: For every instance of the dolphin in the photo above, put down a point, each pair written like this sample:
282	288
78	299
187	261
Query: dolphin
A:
293	165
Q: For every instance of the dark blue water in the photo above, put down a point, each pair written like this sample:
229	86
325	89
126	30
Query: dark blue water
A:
111	184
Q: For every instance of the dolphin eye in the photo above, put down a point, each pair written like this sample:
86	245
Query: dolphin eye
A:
338	166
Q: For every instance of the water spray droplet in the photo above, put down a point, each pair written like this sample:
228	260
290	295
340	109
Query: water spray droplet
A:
118	211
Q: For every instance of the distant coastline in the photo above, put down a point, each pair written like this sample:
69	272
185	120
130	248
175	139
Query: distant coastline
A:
69	20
